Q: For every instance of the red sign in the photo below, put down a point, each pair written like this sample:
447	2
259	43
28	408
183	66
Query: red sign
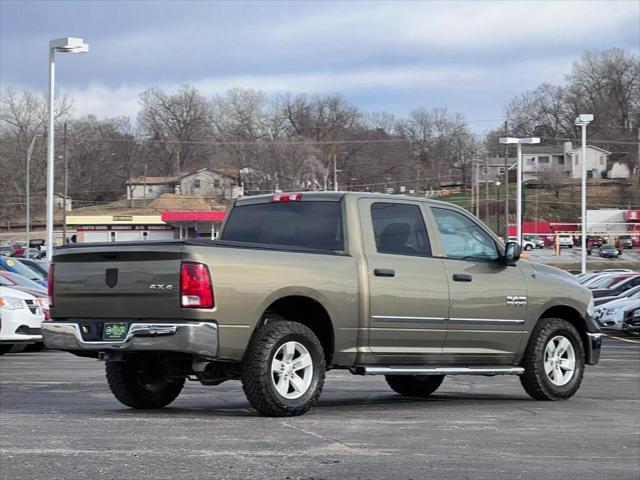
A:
632	216
193	216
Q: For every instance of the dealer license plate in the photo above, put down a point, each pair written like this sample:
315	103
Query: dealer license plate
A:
114	331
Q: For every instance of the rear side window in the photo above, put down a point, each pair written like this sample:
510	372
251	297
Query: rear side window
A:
306	225
399	229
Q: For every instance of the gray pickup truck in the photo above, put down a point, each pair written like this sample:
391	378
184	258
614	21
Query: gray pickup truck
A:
298	284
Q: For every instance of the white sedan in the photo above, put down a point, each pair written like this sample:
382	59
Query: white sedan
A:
611	314
21	315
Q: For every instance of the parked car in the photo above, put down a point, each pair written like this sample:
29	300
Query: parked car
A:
611	315
5	250
537	240
526	244
608	251
631	322
21	318
615	270
603	300
565	241
409	288
595	241
39	266
10	264
626	241
617	288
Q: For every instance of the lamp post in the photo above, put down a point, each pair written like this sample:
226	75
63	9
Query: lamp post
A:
28	190
582	121
65	45
519	142
498	183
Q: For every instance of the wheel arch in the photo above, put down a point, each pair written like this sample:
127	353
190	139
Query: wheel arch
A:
308	311
572	316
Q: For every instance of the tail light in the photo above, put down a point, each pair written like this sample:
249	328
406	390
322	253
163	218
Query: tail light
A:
196	289
52	268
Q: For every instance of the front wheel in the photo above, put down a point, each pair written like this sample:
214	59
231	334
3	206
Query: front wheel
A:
414	385
142	382
554	361
283	369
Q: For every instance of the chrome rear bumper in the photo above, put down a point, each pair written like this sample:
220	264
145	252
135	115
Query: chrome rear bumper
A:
199	338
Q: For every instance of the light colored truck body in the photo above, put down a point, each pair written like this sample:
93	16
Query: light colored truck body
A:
435	312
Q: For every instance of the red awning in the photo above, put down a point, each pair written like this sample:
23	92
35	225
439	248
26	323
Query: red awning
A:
193	216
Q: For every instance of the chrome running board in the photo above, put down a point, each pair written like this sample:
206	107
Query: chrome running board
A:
409	370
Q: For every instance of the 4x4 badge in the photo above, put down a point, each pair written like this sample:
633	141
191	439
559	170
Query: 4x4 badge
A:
111	277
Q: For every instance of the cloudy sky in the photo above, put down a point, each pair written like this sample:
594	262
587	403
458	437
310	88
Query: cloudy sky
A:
471	57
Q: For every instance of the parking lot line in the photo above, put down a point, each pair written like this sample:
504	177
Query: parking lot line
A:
619	338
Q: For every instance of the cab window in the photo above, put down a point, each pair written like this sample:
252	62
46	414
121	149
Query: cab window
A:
462	238
399	229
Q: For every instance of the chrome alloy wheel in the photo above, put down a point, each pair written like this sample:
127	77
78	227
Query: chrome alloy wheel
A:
559	360
292	370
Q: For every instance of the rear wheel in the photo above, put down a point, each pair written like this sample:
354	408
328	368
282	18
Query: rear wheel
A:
283	369
553	361
528	247
142	382
414	385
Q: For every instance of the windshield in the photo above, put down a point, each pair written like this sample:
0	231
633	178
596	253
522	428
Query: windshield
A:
9	278
307	225
18	267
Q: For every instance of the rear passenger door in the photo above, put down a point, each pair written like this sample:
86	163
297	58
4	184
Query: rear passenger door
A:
488	299
408	291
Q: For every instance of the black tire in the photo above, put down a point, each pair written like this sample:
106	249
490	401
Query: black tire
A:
35	347
141	382
5	348
258	380
527	247
414	385
534	379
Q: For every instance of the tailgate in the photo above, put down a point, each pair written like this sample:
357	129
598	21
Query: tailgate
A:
134	281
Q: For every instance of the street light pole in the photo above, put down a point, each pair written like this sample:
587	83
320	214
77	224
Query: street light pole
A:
50	146
519	196
583	120
67	45
28	191
519	142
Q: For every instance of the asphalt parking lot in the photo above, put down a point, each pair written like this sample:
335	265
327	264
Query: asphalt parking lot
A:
59	420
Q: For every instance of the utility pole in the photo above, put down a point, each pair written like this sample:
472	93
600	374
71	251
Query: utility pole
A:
27	222
486	188
473	188
144	186
477	168
66	186
335	172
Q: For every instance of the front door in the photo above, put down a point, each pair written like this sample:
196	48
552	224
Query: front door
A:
488	299
408	291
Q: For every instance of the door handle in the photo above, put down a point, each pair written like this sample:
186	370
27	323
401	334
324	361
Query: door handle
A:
384	272
462	277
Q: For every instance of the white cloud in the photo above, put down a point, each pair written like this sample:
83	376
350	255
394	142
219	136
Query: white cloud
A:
461	80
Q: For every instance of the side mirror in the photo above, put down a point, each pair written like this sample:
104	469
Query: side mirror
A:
512	252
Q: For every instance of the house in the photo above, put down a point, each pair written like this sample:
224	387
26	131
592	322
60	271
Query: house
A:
61	200
220	183
619	170
492	169
541	160
139	188
596	162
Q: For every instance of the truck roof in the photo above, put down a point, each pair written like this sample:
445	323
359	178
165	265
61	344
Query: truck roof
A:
325	196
